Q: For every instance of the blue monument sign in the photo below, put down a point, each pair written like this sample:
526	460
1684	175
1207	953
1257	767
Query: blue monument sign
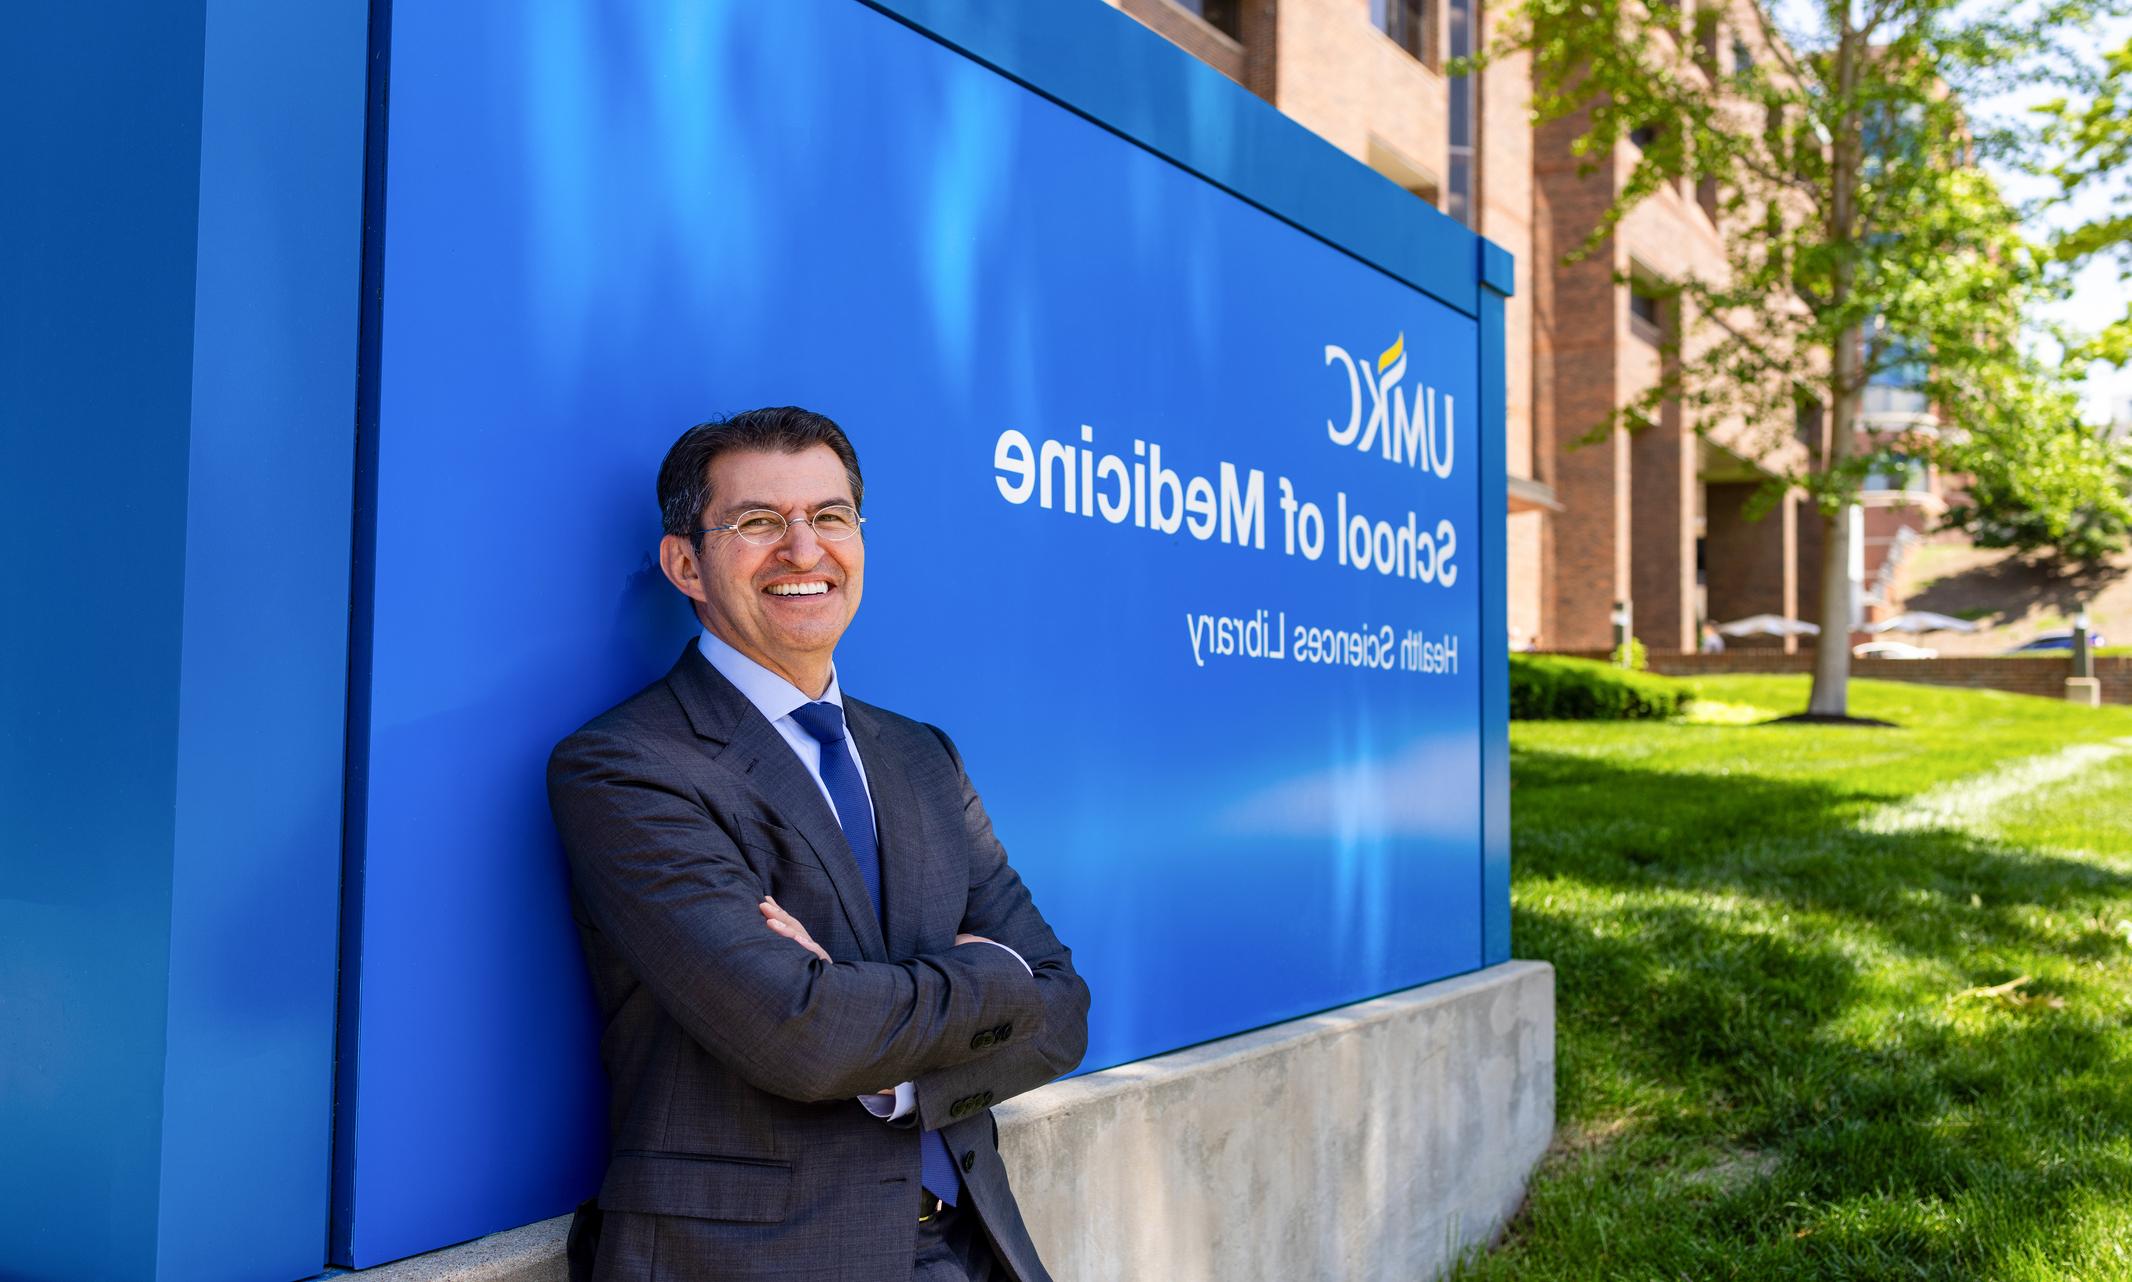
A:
1182	438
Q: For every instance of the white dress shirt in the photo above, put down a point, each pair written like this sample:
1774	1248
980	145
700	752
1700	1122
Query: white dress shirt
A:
777	699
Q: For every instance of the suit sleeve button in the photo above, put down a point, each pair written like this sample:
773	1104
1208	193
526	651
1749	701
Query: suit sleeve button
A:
983	1041
969	1159
1005	1030
985	1100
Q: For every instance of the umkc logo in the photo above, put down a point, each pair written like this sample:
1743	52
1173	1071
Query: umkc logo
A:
1402	433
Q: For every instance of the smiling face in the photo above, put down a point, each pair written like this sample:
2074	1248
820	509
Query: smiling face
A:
784	604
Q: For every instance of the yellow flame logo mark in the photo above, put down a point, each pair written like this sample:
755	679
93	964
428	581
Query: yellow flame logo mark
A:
1392	353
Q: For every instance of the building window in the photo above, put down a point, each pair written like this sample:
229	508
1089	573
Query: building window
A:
1459	197
1887	398
1647	314
1406	22
1218	14
1898	386
1742	58
1897	474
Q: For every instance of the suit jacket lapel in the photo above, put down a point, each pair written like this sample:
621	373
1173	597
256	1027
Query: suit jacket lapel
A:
753	748
909	868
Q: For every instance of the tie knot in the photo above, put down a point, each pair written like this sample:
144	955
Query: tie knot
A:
822	719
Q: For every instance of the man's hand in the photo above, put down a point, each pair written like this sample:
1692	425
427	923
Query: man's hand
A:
784	923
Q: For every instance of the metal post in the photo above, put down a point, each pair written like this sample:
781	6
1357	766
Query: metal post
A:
2082	687
1624	618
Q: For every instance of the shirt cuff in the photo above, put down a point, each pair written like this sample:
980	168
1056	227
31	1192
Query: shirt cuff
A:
1011	953
903	1105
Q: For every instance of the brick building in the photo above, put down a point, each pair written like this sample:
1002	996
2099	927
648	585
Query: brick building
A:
1659	517
1367	76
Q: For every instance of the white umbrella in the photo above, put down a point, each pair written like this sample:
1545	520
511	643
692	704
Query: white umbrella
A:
1769	625
1922	621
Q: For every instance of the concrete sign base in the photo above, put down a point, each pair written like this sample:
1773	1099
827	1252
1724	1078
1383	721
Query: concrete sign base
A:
1375	1141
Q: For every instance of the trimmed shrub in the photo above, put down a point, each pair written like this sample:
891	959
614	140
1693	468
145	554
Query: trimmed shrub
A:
1545	687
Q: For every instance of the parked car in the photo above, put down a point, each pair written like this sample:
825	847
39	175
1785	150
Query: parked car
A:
2055	639
1893	650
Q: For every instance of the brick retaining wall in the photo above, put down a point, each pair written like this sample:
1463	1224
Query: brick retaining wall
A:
2041	676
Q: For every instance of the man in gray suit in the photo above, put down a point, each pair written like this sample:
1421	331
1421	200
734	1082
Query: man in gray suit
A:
816	968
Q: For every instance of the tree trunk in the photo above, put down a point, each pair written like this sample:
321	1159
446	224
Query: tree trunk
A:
1831	694
1832	655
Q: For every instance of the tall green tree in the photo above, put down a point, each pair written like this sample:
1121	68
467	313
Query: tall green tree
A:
1863	242
2093	137
2040	478
2062	486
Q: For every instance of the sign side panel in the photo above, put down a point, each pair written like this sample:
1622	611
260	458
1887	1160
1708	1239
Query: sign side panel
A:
248	1091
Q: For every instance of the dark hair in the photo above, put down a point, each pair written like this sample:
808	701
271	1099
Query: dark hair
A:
685	476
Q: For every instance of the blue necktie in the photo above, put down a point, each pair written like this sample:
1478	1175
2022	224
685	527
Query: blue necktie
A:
840	774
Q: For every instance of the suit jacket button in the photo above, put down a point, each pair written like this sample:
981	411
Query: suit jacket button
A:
969	1159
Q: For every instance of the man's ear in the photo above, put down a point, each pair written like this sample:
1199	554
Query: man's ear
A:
683	568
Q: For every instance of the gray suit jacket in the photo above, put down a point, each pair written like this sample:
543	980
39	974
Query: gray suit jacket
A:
738	1147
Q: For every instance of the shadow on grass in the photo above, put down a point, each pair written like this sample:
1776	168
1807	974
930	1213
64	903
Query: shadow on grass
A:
1769	1066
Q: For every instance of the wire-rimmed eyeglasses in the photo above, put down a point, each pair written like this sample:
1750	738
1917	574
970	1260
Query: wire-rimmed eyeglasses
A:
761	526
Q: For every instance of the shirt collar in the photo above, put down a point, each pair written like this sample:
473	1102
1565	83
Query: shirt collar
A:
772	695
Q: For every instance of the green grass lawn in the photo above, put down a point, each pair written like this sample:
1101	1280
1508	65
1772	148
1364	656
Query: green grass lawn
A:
1833	1002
